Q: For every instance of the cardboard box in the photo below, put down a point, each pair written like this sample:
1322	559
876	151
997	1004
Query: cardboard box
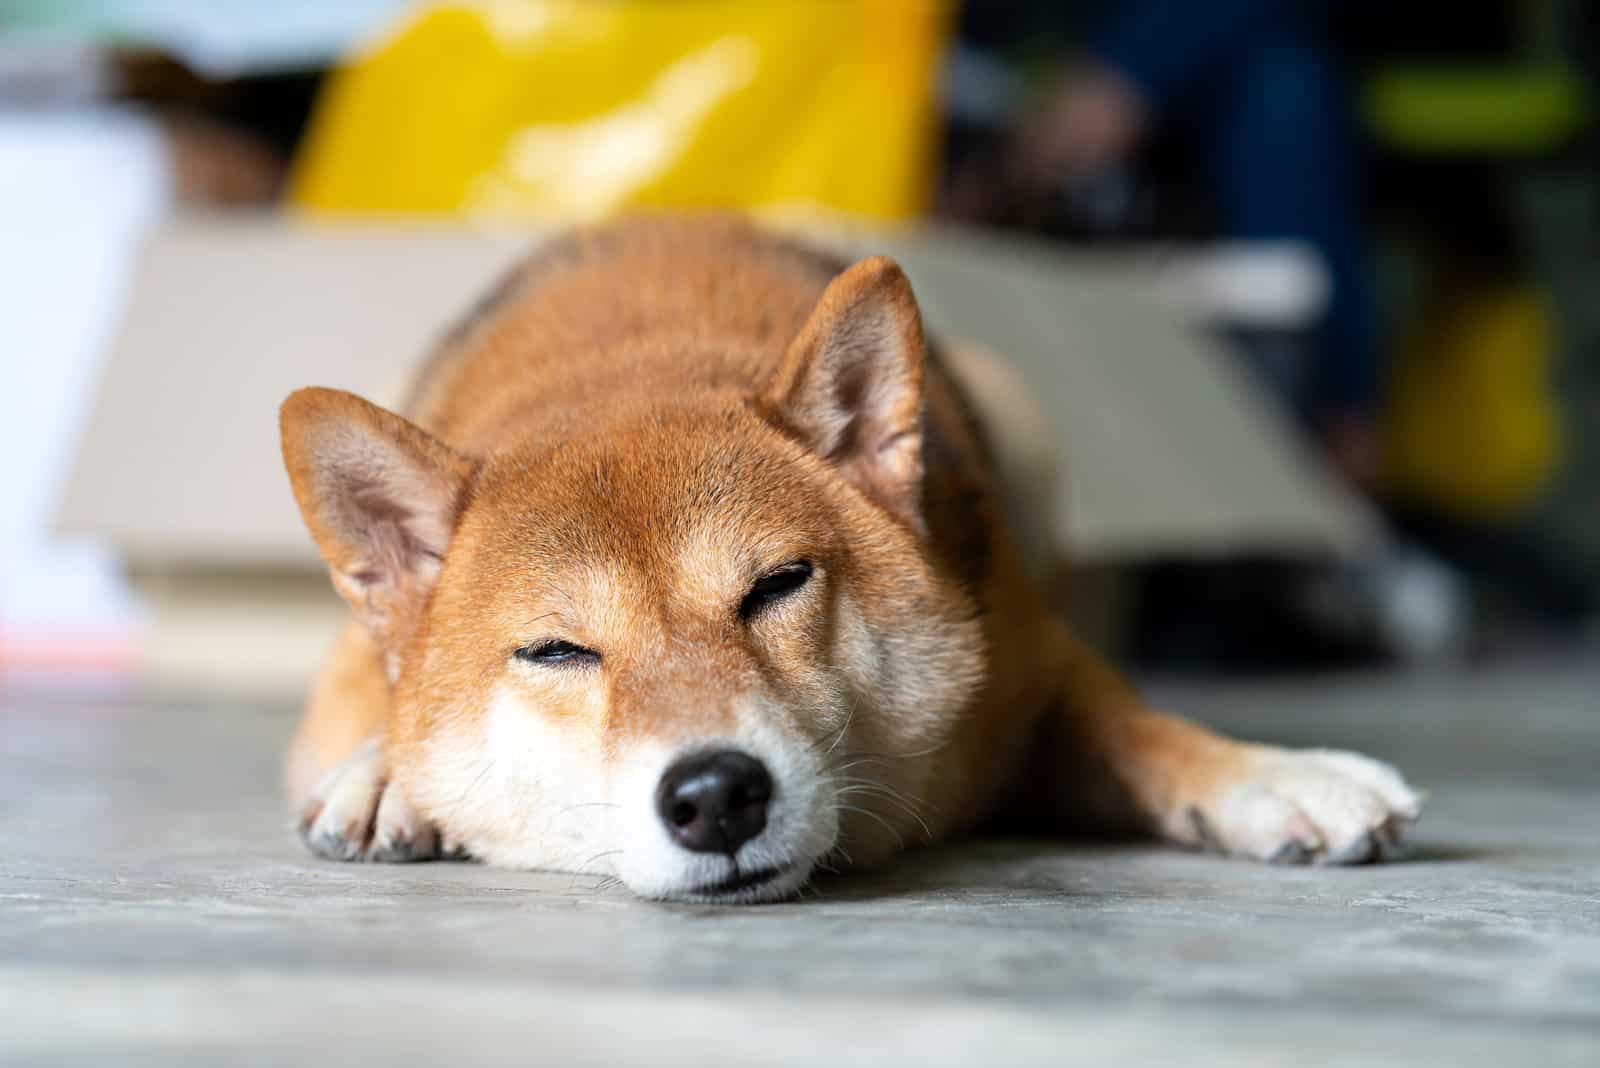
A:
1169	450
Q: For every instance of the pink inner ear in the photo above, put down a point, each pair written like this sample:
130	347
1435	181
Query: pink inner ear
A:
396	550
852	383
403	519
395	491
379	494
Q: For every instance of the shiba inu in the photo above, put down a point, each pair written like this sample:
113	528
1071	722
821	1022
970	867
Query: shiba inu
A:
685	565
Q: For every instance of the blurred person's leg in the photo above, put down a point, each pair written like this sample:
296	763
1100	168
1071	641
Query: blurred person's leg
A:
1258	87
1256	91
1166	48
1284	161
1146	62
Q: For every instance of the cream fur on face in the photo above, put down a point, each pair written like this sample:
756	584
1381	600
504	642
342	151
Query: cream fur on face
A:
528	793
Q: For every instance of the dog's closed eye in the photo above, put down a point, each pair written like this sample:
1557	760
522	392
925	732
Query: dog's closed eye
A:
557	653
773	587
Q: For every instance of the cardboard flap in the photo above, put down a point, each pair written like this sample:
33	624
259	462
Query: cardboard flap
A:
1168	449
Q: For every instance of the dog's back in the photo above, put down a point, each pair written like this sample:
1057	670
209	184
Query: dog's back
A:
655	307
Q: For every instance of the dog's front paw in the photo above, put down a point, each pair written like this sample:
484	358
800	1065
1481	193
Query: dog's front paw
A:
1309	806
356	813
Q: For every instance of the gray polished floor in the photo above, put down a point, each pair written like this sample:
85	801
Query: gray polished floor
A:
154	909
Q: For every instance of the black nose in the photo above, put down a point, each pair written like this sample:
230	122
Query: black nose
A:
715	802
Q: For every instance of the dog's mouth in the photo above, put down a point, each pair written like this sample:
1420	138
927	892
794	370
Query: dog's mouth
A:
741	881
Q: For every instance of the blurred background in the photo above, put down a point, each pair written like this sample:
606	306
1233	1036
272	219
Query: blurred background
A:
1303	289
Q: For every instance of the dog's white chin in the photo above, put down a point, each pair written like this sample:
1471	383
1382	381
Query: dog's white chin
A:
781	885
767	869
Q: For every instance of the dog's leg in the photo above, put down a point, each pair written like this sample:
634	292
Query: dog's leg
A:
1108	762
346	808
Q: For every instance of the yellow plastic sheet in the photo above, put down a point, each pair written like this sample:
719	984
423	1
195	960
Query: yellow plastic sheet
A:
554	110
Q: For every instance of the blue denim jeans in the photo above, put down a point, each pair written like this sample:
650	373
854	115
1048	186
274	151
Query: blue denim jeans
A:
1258	88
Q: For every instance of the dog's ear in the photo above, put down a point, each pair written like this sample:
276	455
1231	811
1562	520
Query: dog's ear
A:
850	384
381	497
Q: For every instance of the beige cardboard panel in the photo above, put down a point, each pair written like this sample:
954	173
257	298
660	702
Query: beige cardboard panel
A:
1168	446
180	456
1167	449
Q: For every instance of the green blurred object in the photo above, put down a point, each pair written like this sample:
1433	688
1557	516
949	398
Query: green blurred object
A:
1476	111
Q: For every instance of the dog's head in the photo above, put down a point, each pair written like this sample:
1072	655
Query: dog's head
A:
700	644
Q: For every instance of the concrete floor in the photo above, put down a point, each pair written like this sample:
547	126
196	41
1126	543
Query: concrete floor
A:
153	908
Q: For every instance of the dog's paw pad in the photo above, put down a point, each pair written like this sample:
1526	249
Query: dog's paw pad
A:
1314	806
355	814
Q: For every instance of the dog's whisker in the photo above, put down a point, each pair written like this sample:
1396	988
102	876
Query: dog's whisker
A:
891	828
845	726
602	856
887	794
927	832
869	786
929	751
600	877
471	789
856	780
590	804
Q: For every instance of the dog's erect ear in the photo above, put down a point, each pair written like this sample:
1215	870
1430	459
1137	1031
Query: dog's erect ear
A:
851	383
381	497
